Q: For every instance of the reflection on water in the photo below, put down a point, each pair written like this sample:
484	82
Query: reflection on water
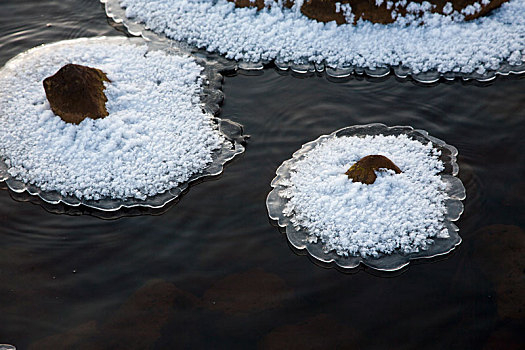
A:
499	251
318	332
248	292
28	23
82	282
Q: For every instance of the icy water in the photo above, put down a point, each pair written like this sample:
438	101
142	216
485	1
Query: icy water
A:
212	271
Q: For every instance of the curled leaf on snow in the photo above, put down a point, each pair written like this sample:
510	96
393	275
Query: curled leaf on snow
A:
76	92
364	169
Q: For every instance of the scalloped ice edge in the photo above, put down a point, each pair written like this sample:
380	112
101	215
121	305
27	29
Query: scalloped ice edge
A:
359	262
333	261
352	262
211	97
117	14
163	198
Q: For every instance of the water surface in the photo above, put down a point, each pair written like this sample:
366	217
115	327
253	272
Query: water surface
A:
214	271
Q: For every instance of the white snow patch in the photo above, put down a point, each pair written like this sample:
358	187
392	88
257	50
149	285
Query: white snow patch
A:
155	137
402	3
471	9
398	212
420	42
347	13
448	8
414	7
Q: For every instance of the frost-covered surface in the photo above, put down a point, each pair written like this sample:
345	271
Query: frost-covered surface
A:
442	43
397	213
155	137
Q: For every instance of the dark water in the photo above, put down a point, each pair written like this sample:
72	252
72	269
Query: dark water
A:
213	272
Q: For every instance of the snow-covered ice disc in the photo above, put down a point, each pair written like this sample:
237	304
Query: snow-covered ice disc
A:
431	47
160	134
384	225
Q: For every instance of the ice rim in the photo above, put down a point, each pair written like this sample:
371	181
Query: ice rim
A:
211	97
298	238
136	28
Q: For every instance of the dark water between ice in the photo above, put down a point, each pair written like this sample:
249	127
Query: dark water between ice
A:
213	272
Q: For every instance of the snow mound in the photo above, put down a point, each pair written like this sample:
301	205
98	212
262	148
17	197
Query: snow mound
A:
430	43
155	137
398	213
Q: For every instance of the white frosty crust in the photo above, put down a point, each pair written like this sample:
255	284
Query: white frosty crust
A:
442	43
399	212
155	137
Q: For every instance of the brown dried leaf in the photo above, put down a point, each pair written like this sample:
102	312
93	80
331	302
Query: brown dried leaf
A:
76	92
364	170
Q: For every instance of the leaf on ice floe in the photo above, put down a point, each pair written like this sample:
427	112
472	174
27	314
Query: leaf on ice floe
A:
76	92
364	170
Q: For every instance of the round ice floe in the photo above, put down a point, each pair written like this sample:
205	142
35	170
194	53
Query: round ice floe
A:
399	217
426	48
155	139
